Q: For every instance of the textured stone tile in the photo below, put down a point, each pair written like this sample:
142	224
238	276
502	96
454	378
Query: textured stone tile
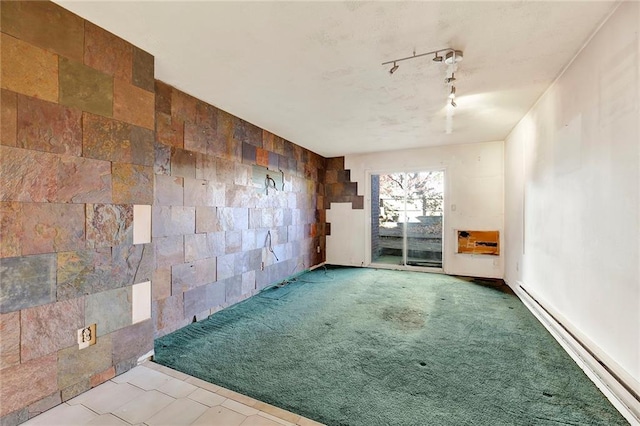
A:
226	266
110	310
183	163
44	404
233	241
133	105
233	288
99	378
27	281
83	272
15	418
132	264
132	184
248	261
248	282
173	220
199	192
85	88
207	219
143	69
246	132
8	117
181	411
168	314
262	157
133	341
108	225
205	271
163	97
49	328
27	383
195	301
82	180
216	242
183	278
206	167
10	229
197	246
169	130
170	250
225	171
46	25
243	175
113	140
183	106
197	137
143	407
248	153
27	175
47	126
28	69
169	190
107	53
161	280
77	366
162	162
75	389
10	332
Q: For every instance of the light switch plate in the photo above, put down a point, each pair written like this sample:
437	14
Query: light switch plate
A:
87	336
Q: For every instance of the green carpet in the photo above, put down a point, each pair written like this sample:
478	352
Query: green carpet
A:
352	346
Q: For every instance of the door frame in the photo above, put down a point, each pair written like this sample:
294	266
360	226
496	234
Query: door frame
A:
368	219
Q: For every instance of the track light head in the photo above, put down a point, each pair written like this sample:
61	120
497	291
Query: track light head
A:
452	94
394	68
451	79
453	57
453	103
437	58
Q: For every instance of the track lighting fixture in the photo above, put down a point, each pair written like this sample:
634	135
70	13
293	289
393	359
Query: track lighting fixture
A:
451	57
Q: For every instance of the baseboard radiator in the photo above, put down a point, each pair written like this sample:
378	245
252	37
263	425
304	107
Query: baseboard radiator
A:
620	388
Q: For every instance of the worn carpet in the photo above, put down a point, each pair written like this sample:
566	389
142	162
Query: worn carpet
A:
353	346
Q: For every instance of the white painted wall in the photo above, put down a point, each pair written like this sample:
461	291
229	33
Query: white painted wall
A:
473	200
572	187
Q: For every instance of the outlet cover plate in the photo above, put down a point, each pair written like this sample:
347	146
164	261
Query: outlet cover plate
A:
87	336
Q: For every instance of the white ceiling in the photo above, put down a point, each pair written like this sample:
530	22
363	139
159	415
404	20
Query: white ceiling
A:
311	71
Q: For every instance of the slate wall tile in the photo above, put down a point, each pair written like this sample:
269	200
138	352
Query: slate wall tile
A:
8	117
170	250
117	141
233	289
132	184
44	24
110	310
26	383
225	266
162	163
109	225
10	332
173	220
143	69
248	282
52	227
85	88
103	376
82	180
132	263
133	105
133	341
183	163
83	272
246	132
10	229
168	314
107	52
44	404
49	328
183	106
163	97
27	281
77	366
183	278
197	137
197	246
195	301
207	220
233	241
215	294
28	69
206	167
169	130
47	126
169	190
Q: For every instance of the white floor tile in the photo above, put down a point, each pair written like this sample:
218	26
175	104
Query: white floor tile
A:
275	419
177	388
202	384
182	411
143	407
220	416
259	421
107	397
63	415
207	398
240	408
146	378
107	420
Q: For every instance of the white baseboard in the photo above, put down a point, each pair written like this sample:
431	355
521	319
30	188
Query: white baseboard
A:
623	396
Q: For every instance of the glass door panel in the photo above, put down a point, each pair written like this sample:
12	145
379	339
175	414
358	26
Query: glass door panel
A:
406	213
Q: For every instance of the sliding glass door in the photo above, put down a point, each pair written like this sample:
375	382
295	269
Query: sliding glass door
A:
406	218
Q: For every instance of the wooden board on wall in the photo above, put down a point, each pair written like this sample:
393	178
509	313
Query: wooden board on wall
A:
479	242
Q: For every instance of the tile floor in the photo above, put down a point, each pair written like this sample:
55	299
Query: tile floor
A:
153	395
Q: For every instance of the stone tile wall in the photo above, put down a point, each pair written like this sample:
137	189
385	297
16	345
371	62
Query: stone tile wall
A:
214	218
77	152
339	188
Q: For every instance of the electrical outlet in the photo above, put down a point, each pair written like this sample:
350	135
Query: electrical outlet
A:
87	336
262	266
318	249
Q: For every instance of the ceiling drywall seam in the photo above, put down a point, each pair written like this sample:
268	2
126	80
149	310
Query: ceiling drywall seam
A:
566	67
